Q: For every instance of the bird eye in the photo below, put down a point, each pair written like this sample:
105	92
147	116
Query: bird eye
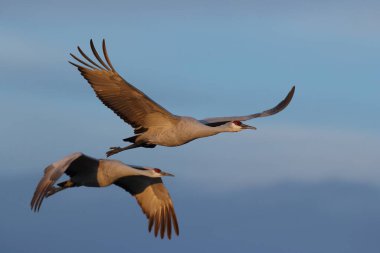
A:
236	122
157	170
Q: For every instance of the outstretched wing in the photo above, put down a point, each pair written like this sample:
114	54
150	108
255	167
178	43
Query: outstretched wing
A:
129	103
53	172
155	202
278	108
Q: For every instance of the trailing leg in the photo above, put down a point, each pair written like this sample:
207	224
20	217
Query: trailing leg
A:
115	150
62	186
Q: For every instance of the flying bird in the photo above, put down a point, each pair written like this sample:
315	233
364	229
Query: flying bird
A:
153	125
143	183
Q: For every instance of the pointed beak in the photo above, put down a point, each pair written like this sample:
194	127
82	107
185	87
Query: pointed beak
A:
166	174
244	126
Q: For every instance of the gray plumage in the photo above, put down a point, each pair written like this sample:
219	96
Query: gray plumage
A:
153	124
143	183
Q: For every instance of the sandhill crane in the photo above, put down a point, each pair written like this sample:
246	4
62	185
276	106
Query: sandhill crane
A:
153	124
143	183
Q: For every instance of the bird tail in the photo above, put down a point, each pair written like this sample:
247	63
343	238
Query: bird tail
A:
131	139
141	143
66	184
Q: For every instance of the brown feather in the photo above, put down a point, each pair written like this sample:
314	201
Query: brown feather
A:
168	224
128	102
76	65
88	58
151	222
97	55
174	217
106	55
155	202
84	63
163	222
158	222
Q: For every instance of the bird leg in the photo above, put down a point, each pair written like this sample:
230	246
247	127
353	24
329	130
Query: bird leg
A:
62	186
115	150
53	190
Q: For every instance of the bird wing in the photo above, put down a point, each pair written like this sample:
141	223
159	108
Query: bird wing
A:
128	102
278	108
52	173
155	202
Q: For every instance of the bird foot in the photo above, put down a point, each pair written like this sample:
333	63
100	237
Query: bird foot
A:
113	150
53	190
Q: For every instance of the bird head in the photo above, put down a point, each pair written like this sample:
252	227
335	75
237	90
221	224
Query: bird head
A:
237	126
159	173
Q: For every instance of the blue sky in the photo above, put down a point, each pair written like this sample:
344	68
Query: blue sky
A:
306	181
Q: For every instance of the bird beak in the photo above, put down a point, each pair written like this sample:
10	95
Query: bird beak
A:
244	126
167	174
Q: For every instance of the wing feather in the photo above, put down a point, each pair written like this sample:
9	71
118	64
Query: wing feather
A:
155	202
51	174
128	102
278	108
97	55
88	58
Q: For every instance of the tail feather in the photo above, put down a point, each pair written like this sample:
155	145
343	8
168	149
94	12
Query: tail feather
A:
131	139
66	183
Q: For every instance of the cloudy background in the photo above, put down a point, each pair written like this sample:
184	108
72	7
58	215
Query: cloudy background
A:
308	180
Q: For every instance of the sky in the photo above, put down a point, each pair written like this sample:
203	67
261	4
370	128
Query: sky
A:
307	180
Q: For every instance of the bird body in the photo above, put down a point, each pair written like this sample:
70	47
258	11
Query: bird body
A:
143	183
109	171
184	130
153	124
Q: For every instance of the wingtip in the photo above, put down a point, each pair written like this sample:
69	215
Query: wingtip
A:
292	91
289	96
33	207
75	65
92	44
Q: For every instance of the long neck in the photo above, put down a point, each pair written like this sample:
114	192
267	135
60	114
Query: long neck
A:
208	131
204	131
224	128
111	170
